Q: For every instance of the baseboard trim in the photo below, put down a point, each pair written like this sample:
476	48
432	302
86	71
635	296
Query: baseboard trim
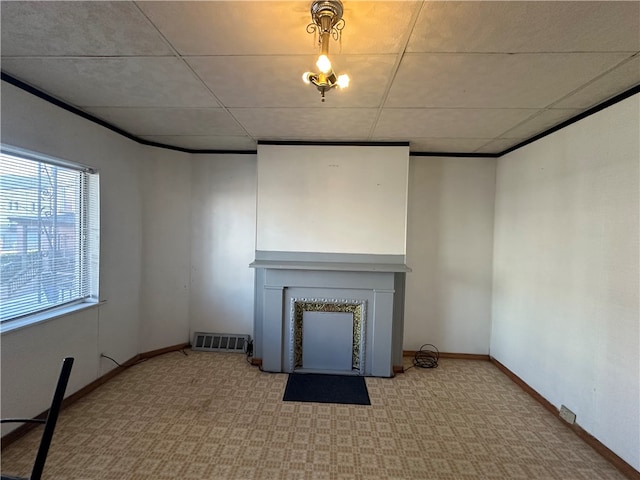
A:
624	468
23	429
459	356
162	351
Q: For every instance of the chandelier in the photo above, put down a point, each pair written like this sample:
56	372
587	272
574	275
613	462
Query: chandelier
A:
328	23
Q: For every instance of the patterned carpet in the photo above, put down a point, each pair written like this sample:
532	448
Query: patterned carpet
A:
213	416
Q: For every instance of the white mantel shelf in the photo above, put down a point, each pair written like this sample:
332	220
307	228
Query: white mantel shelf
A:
330	266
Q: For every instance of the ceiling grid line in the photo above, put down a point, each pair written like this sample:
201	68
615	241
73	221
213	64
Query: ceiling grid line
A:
550	107
396	66
193	72
635	56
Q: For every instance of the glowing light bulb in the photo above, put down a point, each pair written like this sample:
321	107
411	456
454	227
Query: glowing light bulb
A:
324	64
343	81
306	77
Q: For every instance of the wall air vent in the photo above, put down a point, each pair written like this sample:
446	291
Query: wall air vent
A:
220	342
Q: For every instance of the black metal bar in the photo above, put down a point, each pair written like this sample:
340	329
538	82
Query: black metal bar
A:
52	418
22	420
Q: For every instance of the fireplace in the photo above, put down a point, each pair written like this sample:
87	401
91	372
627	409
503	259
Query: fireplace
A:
327	335
329	313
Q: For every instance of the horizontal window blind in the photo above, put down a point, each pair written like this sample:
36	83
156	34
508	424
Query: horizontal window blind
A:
48	234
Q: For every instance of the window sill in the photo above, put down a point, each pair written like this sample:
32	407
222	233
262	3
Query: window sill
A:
38	318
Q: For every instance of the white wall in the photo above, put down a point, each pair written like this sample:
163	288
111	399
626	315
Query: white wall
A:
449	249
31	357
565	290
166	253
223	226
332	199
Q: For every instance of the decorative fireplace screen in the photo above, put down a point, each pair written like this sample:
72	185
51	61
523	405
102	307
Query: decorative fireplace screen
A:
355	307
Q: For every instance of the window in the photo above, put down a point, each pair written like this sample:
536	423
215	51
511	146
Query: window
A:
49	234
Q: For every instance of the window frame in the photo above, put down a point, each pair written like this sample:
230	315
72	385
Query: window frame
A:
87	238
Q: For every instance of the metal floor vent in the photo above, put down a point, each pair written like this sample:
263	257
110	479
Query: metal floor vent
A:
219	342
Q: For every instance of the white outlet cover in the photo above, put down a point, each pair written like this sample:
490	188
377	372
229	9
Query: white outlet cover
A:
567	415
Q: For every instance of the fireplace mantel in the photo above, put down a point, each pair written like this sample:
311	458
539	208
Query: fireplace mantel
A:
374	281
335	266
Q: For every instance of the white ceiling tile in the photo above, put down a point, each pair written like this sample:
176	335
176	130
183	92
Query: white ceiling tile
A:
170	121
232	28
541	122
493	80
524	26
620	79
322	122
376	27
78	28
275	27
459	145
499	145
276	81
404	123
114	82
204	142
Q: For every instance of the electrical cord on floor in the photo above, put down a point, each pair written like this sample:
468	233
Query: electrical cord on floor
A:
249	355
426	358
125	365
248	350
106	356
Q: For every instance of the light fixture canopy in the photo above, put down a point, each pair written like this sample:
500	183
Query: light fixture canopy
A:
328	23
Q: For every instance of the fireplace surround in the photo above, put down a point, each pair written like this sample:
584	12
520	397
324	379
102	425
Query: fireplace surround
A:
354	304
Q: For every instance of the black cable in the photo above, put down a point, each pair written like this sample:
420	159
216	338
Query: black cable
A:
248	350
106	356
249	354
425	358
127	366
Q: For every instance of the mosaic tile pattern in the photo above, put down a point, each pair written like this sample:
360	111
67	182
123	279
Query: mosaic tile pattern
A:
213	416
355	307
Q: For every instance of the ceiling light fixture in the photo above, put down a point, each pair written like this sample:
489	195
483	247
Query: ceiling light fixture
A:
328	22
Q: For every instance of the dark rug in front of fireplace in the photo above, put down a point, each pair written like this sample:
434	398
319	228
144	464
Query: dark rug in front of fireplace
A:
322	388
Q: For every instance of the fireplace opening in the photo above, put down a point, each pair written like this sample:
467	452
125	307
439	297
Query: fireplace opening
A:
327	335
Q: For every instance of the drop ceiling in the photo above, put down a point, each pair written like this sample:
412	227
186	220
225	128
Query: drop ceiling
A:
464	77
